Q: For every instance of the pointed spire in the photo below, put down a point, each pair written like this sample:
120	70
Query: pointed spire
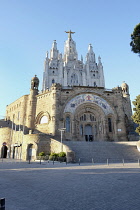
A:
54	45
90	48
70	52
54	51
81	58
99	60
90	55
47	54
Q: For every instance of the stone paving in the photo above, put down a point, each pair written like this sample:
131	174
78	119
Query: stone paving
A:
69	187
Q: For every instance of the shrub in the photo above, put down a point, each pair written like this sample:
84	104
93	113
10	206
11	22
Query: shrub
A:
42	154
53	156
62	154
58	156
62	157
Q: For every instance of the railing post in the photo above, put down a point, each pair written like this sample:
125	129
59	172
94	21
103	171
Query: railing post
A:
66	161
92	162
123	161
107	162
138	162
79	161
2	203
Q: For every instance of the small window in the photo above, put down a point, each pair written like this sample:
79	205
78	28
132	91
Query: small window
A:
68	124
81	130
109	125
53	81
84	117
91	117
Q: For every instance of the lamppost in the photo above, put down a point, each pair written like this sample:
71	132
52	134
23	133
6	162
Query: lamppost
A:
62	130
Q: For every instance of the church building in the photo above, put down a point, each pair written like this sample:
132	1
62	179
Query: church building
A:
73	100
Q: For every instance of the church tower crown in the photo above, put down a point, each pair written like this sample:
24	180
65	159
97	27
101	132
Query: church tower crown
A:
70	52
67	70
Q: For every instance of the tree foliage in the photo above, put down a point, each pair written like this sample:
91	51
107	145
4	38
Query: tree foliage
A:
135	40
136	115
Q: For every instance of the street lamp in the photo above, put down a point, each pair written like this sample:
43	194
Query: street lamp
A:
62	130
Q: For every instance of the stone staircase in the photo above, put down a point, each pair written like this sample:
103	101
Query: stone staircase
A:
101	151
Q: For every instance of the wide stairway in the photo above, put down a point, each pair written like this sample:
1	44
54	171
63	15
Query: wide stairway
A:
99	152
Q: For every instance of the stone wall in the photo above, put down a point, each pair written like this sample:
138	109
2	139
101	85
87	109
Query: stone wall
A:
55	146
5	134
16	111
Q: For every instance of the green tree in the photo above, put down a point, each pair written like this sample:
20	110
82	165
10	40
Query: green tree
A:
136	115
135	40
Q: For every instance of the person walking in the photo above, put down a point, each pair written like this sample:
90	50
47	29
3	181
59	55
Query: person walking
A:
4	150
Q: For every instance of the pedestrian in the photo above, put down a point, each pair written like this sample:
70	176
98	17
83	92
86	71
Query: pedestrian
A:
4	150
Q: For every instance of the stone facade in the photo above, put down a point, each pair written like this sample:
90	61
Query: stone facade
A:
74	97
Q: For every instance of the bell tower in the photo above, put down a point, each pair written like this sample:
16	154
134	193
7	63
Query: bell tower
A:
32	102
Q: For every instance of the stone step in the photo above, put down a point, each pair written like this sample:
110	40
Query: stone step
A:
101	151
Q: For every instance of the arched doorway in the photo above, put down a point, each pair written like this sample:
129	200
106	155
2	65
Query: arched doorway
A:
31	152
88	133
89	114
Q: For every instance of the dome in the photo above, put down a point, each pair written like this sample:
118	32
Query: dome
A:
34	82
125	88
124	85
35	78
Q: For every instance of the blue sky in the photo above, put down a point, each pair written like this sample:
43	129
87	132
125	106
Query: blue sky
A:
28	28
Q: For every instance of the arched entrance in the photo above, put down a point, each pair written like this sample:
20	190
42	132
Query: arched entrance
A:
88	133
89	122
89	115
31	152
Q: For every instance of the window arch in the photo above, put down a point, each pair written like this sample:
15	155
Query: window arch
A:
67	124
44	119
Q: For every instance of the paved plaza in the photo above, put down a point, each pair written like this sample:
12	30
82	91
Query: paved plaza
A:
69	187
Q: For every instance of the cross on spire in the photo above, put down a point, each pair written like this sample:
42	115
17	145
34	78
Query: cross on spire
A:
69	33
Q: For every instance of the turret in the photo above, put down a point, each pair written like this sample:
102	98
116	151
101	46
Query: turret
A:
54	52
125	89
32	102
101	72
90	55
45	73
34	83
